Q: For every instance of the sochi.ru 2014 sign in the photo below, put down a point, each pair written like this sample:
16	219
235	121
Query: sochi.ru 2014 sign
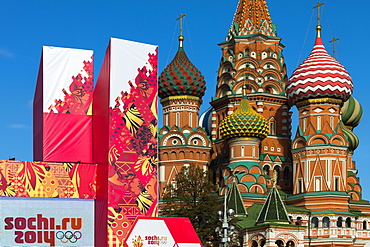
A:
46	222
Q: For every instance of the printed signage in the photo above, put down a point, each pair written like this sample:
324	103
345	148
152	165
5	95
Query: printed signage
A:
46	222
163	232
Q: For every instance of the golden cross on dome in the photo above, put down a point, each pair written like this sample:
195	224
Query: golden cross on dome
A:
181	38
334	46
180	18
318	27
319	12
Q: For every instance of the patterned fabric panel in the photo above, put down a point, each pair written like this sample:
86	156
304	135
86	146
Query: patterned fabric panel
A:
42	179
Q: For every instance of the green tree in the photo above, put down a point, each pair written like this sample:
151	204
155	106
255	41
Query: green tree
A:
194	197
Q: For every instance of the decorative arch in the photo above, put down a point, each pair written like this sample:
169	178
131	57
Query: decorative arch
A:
242	188
337	140
256	237
181	137
257	189
223	90
197	136
318	139
251	87
299	142
255	170
248	178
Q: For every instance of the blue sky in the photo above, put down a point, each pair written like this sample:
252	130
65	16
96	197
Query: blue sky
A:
25	26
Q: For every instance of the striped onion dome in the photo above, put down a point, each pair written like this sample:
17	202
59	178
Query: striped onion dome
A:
351	113
353	140
181	77
319	76
244	122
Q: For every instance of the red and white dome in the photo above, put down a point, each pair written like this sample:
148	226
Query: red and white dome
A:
319	76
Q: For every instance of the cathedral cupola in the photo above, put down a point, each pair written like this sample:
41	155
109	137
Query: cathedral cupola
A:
181	77
319	76
351	113
244	122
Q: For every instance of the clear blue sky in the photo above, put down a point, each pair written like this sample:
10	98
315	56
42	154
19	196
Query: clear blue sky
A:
25	26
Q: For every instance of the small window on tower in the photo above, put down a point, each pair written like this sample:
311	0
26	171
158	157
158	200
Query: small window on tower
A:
336	184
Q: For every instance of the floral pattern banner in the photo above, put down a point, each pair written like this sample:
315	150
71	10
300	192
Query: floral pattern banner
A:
43	179
132	175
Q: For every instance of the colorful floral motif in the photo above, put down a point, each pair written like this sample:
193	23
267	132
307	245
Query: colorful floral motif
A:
133	153
42	179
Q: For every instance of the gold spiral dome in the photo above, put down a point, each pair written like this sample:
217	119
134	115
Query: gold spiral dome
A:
244	122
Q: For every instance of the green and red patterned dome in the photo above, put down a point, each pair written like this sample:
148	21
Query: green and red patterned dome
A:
244	122
181	77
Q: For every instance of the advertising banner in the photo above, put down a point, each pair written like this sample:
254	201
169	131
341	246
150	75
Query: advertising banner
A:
127	142
46	222
42	179
62	106
164	232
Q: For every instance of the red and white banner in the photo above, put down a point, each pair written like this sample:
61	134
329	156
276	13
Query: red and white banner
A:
162	231
46	222
62	106
125	143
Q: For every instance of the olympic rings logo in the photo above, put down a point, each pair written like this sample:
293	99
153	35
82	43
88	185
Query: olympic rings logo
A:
70	236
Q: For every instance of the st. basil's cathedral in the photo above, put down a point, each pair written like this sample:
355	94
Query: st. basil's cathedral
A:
297	187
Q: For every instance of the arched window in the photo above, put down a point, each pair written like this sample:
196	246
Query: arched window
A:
246	53
272	127
304	124
364	225
242	151
326	222
253	152
266	168
177	119
290	244
166	117
232	152
318	123
254	243
298	221
262	243
314	222
340	222
336	184
348	222
191	119
279	243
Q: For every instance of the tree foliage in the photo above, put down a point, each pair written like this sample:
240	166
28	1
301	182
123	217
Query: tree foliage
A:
193	196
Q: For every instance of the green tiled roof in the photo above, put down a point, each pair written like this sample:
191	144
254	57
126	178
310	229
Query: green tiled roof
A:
235	200
273	211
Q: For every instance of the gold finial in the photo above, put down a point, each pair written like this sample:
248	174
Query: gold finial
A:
318	27
181	38
334	46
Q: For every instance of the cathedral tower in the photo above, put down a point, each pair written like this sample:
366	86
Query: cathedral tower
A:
182	141
252	56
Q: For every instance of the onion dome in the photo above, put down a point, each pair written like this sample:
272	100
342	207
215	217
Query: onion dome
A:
181	77
205	120
244	122
319	76
351	113
353	140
